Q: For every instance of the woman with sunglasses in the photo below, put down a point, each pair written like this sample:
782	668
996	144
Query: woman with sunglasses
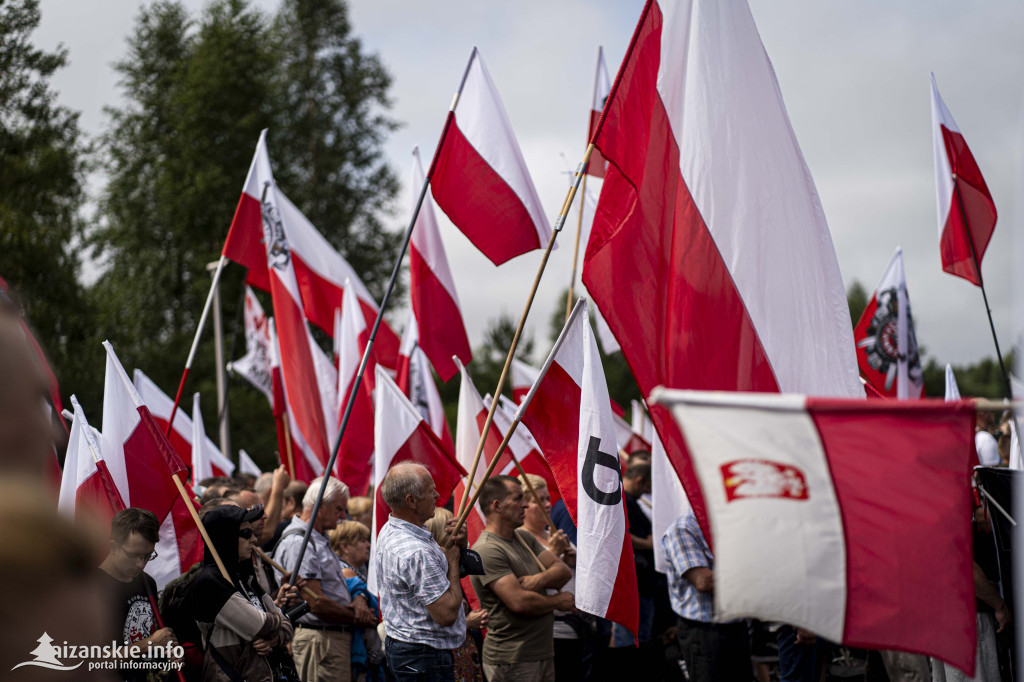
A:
239	622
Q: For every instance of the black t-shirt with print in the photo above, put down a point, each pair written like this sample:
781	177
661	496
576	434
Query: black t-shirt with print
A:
132	608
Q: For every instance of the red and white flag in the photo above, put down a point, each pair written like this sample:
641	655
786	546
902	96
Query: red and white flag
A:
524	376
967	214
523	446
467	437
416	381
602	86
355	456
280	220
141	463
699	294
303	464
254	366
201	465
952	390
668	501
432	289
844	517
87	488
887	350
320	271
570	415
403	436
480	178
182	435
246	465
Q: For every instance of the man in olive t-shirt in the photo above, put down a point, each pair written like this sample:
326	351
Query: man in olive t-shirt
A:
520	638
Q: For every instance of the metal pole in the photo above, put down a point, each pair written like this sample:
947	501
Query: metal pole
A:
218	347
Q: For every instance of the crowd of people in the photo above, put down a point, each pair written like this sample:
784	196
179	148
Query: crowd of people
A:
422	607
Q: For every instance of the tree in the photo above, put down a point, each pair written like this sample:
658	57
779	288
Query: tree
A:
42	165
329	148
857	300
198	93
983	379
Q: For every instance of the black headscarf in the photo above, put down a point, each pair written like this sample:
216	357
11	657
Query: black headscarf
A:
210	591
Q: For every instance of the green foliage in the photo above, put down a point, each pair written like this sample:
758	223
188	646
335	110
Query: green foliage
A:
982	379
198	90
328	150
41	189
857	300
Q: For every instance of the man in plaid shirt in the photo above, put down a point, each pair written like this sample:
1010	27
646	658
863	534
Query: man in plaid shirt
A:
420	594
711	651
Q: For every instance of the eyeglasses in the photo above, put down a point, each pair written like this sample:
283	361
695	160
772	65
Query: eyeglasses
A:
145	558
256	507
246	533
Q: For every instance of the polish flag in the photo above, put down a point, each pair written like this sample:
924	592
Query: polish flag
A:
303	464
668	501
355	456
319	270
844	517
602	86
952	390
523	446
967	214
697	293
416	381
467	437
254	366
246	465
141	463
523	377
480	179
86	488
432	289
569	413
887	350
201	466
282	224
401	436
628	439
182	435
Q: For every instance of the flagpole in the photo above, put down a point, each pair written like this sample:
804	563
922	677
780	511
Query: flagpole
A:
465	508
583	200
576	247
559	223
981	285
289	451
380	313
195	342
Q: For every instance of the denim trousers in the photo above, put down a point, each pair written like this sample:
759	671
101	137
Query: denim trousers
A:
419	662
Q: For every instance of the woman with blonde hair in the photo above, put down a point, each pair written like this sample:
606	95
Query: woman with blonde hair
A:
467	656
361	509
350	541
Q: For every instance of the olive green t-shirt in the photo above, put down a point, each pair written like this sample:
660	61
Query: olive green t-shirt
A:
511	638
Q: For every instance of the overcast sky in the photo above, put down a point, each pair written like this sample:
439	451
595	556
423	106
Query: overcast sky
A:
854	77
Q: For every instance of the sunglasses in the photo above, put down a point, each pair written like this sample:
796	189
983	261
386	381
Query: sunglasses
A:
246	533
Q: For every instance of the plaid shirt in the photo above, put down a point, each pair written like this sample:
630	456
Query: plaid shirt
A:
412	571
685	548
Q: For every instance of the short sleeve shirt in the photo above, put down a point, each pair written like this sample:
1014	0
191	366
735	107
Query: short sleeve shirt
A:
412	572
318	563
511	638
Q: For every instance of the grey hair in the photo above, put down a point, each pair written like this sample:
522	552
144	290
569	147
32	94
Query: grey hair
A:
402	480
264	483
335	489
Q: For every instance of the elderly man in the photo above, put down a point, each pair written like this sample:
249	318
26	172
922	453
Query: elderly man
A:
420	595
520	631
322	642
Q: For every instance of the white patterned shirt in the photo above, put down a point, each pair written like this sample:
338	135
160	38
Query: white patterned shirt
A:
412	571
685	548
318	563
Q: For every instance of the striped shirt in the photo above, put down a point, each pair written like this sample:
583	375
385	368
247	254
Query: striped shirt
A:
685	548
412	571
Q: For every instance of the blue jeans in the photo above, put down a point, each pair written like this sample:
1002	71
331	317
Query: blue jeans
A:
623	637
800	662
419	662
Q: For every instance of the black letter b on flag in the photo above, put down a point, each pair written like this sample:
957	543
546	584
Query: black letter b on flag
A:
594	458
